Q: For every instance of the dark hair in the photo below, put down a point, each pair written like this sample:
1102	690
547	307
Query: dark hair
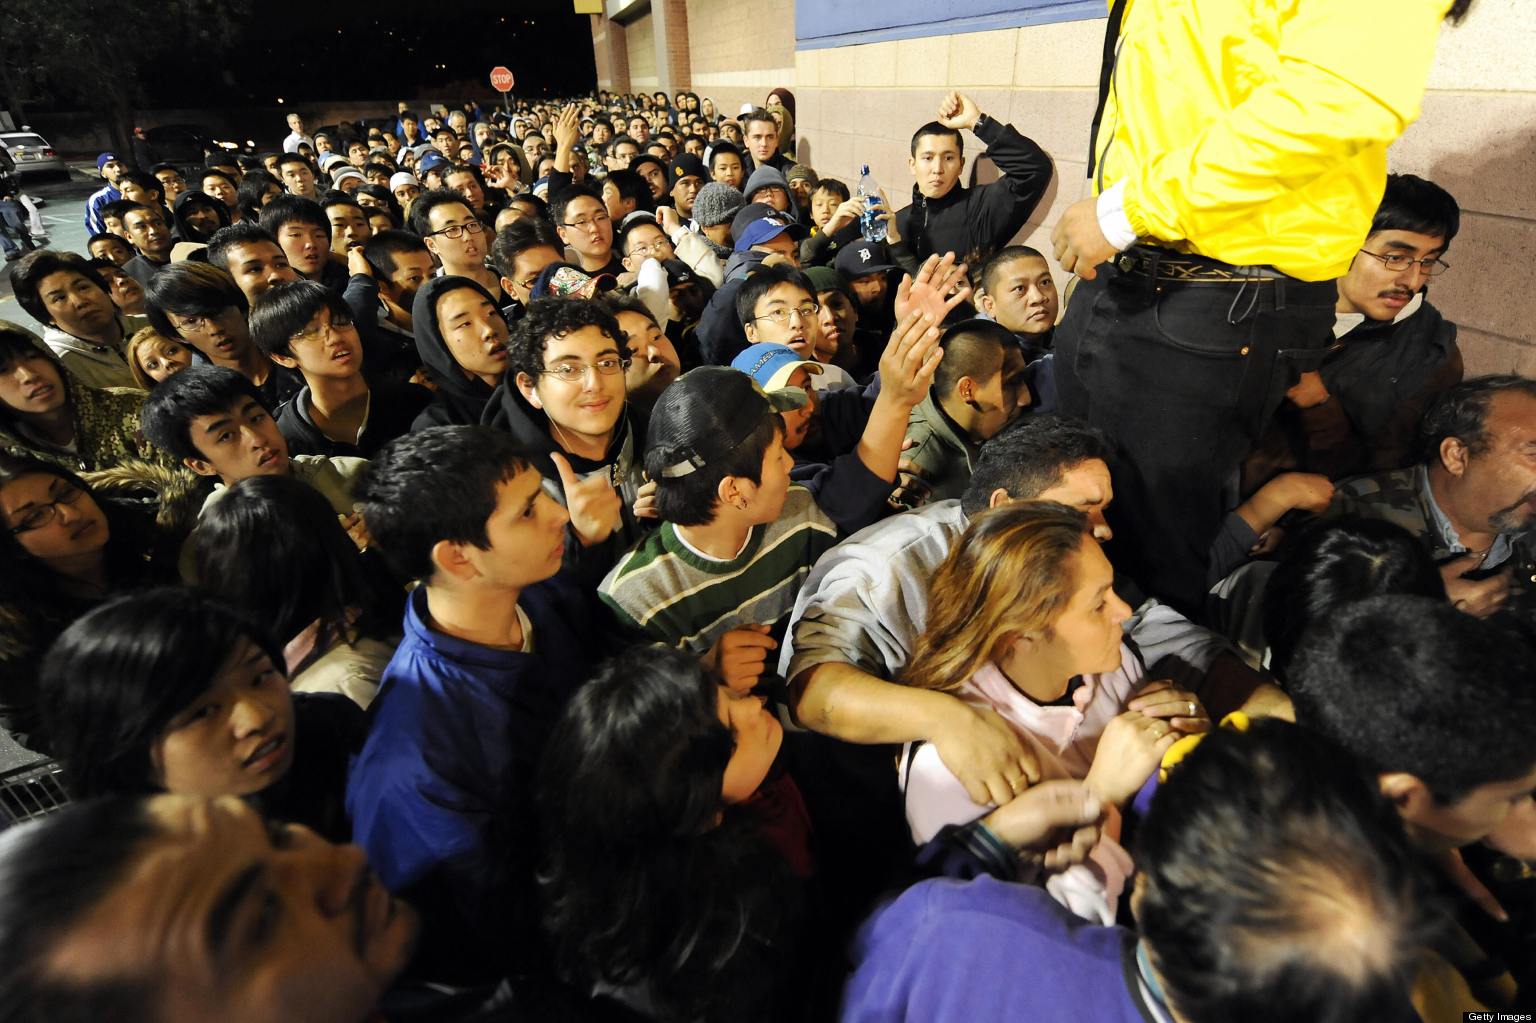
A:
1277	885
1332	563
549	318
385	196
273	549
540	207
17	342
27	277
1462	412
54	872
517	238
226	238
972	348
994	266
214	172
146	181
115	209
157	168
834	186
433	485
190	288
248	197
287	158
764	280
617	302
631	186
1029	457
430	200
287	308
559	203
1387	677
935	128
293	209
198	390
115	679
1411	203
382	249
619	140
338	197
641	886
104	236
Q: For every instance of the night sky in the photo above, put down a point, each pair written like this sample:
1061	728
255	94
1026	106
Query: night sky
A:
383	49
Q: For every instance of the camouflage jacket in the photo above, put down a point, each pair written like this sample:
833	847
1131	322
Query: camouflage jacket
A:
106	431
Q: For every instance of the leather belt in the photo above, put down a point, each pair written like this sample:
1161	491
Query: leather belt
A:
1166	265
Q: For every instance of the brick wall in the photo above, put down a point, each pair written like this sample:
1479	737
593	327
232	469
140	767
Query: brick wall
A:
611	52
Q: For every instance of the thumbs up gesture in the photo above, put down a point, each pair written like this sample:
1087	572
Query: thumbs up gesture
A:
595	508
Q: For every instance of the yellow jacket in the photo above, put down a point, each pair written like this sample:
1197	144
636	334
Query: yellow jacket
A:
1256	131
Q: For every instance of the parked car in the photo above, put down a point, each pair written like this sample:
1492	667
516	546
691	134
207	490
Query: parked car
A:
32	154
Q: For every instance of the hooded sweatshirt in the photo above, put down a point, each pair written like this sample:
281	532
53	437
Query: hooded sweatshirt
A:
768	176
460	398
623	463
183	231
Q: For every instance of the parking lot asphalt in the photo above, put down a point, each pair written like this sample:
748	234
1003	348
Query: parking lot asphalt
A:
64	217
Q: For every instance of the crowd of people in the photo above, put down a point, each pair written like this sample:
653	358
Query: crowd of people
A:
578	562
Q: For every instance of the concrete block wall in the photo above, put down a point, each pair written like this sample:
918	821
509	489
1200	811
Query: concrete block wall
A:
860	104
740	49
640	38
1476	137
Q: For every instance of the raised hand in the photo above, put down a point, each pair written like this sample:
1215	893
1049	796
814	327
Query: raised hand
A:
959	111
910	358
739	658
938	287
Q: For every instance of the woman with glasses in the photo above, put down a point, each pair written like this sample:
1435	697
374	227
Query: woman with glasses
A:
62	551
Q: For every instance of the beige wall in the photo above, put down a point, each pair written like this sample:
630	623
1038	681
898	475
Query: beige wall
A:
1477	137
740	49
640	38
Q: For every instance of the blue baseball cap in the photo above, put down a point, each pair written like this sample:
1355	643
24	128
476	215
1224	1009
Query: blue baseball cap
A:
772	364
431	161
104	159
767	229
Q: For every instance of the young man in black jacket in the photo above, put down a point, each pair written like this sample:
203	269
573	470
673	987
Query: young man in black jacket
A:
972	223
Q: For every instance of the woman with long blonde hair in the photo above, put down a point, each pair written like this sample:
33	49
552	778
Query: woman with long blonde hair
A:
1024	620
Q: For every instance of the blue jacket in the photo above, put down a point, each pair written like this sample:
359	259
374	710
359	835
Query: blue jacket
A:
441	796
93	205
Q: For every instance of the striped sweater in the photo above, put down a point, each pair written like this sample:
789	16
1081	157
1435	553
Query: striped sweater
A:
667	593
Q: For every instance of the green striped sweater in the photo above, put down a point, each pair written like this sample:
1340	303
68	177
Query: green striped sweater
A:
666	592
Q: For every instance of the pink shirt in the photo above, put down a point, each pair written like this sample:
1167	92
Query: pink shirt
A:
1064	739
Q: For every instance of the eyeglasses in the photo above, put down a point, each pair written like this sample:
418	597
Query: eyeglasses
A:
456	231
338	323
1397	262
576	372
587	225
782	316
198	323
42	514
661	245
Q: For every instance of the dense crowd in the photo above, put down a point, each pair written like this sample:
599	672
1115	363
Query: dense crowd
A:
578	562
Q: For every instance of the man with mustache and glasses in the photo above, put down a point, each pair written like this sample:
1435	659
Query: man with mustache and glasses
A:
1358	412
1472	500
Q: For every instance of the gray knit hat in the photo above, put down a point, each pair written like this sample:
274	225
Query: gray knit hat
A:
717	203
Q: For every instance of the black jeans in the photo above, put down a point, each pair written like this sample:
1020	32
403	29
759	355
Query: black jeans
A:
1182	376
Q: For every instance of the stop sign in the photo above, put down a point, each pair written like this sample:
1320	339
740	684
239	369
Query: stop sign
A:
501	79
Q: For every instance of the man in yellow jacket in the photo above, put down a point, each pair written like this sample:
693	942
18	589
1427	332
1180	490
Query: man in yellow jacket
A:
1239	154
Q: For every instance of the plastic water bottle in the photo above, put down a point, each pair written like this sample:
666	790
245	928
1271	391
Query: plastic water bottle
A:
870	224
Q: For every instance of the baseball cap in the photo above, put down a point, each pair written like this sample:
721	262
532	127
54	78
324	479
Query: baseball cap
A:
862	258
343	173
431	161
704	416
104	159
566	280
772	364
767	229
634	164
748	215
686	165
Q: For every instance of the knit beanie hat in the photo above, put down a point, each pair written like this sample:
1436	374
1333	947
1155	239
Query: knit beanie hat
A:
717	203
800	171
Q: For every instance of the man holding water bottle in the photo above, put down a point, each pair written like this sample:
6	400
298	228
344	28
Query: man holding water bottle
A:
973	223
